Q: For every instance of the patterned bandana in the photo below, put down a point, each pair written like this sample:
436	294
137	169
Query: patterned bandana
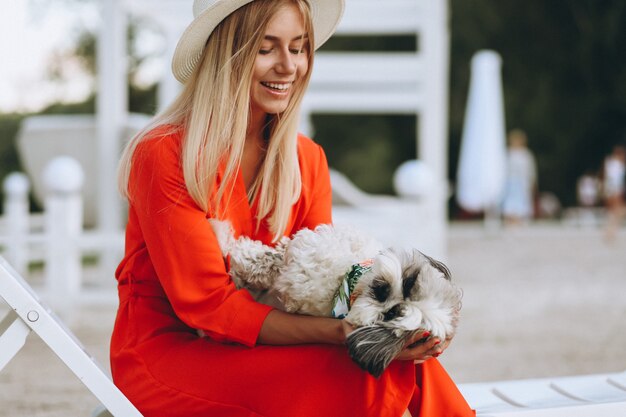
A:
343	299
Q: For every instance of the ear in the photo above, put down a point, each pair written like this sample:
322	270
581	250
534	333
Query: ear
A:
440	267
374	347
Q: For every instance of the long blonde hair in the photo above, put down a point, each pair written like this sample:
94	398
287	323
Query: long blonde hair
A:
212	112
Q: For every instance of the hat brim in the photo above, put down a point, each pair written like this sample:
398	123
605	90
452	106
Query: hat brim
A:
325	14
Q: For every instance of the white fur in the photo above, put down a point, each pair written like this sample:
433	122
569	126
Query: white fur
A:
303	273
405	293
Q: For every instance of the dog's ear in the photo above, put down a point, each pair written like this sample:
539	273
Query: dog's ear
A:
374	347
440	267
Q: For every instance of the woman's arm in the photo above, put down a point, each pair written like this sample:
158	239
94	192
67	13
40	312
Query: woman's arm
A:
182	249
280	328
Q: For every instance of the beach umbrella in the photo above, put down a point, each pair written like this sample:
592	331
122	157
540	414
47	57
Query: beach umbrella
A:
482	159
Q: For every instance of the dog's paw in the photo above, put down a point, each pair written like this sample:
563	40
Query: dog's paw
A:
374	347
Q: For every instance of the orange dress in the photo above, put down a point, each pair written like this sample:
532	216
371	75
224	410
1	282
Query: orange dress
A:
173	280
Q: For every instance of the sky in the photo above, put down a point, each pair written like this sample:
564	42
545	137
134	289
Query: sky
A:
31	31
35	35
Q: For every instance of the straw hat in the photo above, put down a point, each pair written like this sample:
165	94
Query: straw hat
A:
325	14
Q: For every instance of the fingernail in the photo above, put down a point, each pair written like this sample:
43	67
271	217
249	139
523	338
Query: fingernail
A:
437	342
426	334
436	355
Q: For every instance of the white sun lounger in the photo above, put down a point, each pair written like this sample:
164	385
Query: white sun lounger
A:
576	396
29	314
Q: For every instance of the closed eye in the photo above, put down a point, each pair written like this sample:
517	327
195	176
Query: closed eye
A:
381	290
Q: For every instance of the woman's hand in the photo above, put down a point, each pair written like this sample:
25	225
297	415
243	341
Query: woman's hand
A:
417	352
421	352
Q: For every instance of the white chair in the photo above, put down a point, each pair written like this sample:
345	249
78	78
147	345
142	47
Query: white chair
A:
29	314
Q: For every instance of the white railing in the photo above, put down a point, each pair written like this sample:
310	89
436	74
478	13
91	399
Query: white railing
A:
56	239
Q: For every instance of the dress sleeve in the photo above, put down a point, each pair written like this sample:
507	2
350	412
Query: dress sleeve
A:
184	250
316	187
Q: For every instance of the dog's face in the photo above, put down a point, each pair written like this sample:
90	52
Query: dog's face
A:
405	292
389	292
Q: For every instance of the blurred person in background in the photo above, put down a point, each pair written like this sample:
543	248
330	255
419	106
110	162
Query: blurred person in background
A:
588	189
613	171
521	180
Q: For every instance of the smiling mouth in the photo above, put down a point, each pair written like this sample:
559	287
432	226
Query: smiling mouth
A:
279	87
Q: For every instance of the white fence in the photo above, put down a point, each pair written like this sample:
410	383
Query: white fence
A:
78	263
56	239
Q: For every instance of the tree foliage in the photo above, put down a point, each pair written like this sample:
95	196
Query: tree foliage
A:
563	76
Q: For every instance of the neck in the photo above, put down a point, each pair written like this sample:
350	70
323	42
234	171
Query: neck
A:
256	125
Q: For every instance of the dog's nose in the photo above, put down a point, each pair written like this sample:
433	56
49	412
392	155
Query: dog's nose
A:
392	313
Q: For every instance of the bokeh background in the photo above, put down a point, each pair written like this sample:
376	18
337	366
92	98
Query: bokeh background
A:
564	82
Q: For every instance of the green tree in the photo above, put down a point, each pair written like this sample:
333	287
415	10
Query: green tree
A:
563	76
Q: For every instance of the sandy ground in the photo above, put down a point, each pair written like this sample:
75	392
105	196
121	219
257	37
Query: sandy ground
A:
545	300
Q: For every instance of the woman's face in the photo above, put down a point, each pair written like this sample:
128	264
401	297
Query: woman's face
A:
281	62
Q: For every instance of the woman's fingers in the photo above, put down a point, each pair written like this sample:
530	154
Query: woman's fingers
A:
418	337
421	351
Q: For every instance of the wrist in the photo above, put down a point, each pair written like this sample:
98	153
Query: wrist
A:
345	328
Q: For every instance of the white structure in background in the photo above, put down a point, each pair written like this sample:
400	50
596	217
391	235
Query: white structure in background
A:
111	110
413	83
406	82
172	17
17	225
414	179
44	137
64	179
57	237
482	160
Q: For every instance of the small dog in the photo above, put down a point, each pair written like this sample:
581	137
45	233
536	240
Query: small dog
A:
387	294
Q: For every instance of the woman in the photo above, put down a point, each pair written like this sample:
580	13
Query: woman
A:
228	148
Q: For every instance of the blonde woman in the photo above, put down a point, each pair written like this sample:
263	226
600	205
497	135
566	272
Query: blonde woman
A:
228	148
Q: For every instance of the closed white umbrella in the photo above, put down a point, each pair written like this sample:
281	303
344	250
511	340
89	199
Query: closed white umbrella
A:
482	160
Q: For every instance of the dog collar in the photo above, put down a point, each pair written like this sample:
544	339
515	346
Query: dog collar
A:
342	301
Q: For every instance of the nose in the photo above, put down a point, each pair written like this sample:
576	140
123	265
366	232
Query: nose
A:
287	63
392	313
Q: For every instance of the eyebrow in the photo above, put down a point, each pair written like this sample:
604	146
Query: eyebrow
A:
276	38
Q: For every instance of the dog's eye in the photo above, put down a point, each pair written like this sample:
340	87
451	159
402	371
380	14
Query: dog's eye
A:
381	290
407	285
392	313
